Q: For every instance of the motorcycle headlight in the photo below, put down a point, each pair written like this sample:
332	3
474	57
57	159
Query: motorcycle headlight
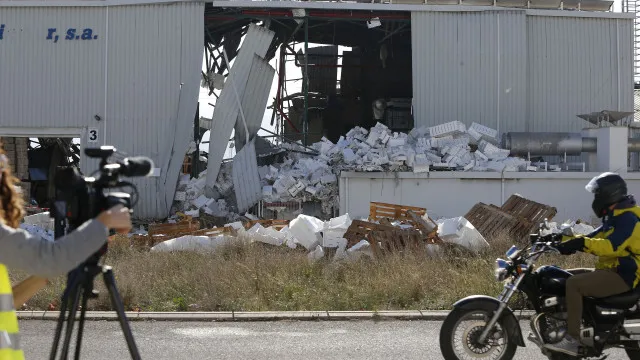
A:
500	271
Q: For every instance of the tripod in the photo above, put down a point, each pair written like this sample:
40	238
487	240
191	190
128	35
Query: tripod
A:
80	283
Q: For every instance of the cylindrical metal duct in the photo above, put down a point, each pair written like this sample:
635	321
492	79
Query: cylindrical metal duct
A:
548	143
544	143
634	145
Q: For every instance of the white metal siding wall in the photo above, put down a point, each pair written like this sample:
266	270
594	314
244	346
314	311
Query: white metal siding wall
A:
550	68
458	60
153	59
45	83
577	66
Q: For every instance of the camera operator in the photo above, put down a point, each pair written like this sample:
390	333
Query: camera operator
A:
37	256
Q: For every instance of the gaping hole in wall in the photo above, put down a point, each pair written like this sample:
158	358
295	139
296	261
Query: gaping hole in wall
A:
297	76
34	162
357	70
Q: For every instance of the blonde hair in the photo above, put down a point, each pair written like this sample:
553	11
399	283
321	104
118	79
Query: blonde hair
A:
11	202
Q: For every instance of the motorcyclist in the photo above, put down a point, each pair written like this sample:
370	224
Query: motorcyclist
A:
617	245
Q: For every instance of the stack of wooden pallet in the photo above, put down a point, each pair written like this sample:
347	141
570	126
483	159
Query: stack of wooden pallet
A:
515	219
393	228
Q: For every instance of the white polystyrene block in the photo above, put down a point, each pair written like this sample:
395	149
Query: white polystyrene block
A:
180	196
349	156
200	201
396	141
484	130
460	231
385	138
480	156
453	127
474	134
306	230
373	138
495	166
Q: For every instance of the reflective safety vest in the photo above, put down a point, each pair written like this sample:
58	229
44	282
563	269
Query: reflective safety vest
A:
9	332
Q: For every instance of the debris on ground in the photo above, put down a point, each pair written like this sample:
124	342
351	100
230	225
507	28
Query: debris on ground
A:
40	224
389	228
310	174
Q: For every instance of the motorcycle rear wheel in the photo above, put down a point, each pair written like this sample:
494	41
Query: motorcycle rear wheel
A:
465	348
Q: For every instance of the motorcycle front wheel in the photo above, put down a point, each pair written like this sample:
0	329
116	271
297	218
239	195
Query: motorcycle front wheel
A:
460	331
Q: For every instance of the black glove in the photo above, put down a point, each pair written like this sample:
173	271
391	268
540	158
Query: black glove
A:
570	246
551	238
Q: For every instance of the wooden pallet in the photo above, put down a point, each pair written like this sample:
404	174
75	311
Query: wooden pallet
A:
277	224
493	222
163	232
215	231
528	209
398	240
378	211
359	230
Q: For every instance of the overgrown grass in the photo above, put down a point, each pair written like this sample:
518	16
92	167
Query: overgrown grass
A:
260	277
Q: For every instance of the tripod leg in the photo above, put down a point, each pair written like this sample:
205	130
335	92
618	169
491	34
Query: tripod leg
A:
73	281
83	310
63	309
110	282
72	317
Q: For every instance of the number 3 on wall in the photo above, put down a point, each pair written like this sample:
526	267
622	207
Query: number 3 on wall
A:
92	135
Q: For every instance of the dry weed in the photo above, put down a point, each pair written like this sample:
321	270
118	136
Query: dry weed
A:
258	277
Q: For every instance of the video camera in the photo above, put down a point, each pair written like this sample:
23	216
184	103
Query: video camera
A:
79	199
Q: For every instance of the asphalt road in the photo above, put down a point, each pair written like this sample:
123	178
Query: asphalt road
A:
282	340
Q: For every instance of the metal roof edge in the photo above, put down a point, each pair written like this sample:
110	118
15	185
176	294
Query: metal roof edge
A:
90	3
318	5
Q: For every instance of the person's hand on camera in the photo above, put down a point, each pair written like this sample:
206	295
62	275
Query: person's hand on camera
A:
116	218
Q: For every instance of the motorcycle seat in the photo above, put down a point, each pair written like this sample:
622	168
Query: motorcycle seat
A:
622	301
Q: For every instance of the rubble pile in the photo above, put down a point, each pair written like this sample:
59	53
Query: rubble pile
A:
443	147
314	178
190	197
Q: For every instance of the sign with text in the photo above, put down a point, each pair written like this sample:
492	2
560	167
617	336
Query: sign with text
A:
55	34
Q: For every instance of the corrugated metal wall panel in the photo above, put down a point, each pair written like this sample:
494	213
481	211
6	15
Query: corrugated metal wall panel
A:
550	69
573	69
458	59
192	50
46	83
246	181
225	113
254	100
153	57
153	82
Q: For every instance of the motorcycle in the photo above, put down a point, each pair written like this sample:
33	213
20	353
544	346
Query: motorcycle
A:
494	332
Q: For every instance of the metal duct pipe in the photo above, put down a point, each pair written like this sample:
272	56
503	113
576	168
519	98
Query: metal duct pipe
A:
550	143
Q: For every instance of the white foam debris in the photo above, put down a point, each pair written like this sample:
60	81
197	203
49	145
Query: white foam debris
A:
38	231
460	231
450	146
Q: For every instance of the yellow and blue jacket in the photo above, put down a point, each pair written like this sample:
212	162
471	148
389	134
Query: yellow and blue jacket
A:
617	241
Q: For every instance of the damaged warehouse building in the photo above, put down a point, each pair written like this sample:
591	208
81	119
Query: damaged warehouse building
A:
399	103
